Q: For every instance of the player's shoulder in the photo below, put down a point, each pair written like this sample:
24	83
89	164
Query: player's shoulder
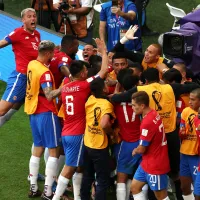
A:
187	111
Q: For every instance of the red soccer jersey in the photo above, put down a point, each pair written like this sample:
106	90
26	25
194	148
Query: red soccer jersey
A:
155	159
59	59
74	96
129	123
197	126
43	104
25	47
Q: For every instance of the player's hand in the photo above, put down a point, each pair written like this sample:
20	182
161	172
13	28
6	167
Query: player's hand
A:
116	10
134	152
101	46
131	31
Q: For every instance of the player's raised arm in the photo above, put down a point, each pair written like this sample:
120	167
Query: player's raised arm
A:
102	50
3	43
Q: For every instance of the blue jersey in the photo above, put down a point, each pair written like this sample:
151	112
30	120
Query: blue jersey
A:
115	24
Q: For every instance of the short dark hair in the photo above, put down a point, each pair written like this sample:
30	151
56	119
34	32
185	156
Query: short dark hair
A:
76	67
136	65
97	86
122	73
196	92
67	40
130	81
141	97
172	75
118	55
151	75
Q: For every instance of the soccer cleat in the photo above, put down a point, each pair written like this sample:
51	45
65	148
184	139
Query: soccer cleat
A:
44	197
33	194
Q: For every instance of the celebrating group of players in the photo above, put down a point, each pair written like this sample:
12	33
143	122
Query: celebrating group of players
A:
139	124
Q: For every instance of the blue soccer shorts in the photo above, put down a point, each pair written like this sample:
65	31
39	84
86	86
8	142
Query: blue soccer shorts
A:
189	166
16	88
126	163
74	149
155	182
46	130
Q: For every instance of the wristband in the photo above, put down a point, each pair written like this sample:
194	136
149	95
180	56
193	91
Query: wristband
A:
124	40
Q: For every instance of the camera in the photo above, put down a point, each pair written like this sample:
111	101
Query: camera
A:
63	6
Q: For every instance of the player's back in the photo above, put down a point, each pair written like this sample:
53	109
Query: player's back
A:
155	159
129	122
74	97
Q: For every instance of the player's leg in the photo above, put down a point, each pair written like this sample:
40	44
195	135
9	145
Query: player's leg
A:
51	136
73	148
139	180
34	163
14	93
173	143
88	175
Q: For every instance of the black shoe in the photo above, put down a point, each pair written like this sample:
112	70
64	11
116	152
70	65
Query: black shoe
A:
146	31
44	197
32	194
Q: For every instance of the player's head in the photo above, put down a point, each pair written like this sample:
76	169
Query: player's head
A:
29	19
136	67
98	88
69	45
88	51
181	68
172	76
122	73
119	61
152	53
110	55
151	75
130	81
194	99
140	101
46	50
78	70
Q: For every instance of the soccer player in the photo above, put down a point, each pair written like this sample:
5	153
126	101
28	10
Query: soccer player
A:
197	182
99	119
129	132
153	147
189	145
42	111
25	41
74	96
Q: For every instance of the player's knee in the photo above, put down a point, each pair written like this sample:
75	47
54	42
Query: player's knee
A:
186	188
134	188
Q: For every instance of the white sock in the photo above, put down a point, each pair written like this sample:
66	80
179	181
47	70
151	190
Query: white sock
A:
139	196
7	116
145	190
128	188
34	165
77	179
188	197
50	172
46	155
61	163
32	148
60	189
121	191
167	198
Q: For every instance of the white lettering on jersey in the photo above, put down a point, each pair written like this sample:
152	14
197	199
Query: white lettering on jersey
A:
64	59
36	38
35	47
47	77
26	38
178	104
144	132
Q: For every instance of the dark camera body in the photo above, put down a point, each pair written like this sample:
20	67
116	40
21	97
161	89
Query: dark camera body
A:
64	6
114	3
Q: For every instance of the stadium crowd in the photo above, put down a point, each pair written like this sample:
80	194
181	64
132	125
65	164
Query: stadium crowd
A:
122	118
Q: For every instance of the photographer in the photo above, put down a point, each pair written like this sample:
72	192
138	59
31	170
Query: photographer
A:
47	12
80	15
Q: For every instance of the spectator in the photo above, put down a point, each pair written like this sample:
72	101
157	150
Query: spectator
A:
115	21
81	15
88	51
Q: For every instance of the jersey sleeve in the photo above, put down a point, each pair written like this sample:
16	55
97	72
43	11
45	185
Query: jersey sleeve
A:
146	135
109	110
64	61
46	80
103	15
12	37
132	7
